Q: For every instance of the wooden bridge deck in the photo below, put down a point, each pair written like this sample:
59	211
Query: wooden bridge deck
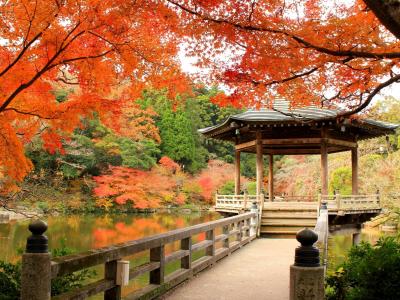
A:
258	271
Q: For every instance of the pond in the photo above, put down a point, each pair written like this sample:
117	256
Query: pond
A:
84	232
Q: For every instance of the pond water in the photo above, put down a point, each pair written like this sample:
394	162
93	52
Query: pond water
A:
84	232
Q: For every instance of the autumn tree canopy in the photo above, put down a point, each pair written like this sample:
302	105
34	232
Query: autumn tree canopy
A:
105	51
101	50
321	52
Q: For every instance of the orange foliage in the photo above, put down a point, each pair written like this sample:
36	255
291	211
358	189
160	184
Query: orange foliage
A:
145	189
136	123
213	177
306	51
91	48
169	164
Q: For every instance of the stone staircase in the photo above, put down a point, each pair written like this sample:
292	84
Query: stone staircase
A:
284	220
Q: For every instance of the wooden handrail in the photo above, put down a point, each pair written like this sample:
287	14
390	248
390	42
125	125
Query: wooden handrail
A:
243	227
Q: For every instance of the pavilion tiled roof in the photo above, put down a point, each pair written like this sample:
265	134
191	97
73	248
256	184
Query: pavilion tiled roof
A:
281	114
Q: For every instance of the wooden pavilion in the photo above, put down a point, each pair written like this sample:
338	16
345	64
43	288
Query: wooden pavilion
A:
302	131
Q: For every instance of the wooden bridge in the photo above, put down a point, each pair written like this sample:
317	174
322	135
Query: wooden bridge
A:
241	276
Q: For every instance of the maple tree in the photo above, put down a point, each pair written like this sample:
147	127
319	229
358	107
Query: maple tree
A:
310	52
93	46
213	177
142	189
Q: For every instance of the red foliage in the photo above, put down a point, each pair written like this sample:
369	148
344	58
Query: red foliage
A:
213	177
169	164
145	189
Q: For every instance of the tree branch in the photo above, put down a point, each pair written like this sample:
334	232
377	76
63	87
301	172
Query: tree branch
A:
370	96
298	39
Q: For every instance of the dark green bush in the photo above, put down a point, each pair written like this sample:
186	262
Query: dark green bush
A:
369	273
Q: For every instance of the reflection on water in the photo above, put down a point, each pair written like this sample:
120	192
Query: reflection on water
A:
339	245
85	232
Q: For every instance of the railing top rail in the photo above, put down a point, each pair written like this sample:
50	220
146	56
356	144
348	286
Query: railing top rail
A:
75	262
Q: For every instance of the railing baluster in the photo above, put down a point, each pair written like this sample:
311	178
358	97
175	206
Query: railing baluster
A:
210	235
158	255
239	228
247	231
186	262
225	230
110	272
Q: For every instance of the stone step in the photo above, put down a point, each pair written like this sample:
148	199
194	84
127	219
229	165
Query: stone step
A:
288	222
288	228
294	209
285	215
278	234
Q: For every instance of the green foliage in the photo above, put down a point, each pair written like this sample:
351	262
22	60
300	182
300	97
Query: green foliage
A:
177	139
10	283
228	188
140	155
369	273
388	110
341	181
10	277
252	188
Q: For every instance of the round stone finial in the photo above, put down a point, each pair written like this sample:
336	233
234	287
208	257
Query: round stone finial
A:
306	237
324	205
37	227
37	242
306	255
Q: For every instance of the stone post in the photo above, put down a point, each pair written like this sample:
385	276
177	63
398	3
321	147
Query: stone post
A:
356	238
253	222
36	268
306	274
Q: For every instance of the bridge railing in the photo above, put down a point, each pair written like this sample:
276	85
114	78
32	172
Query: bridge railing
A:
236	232
296	198
352	202
322	229
237	202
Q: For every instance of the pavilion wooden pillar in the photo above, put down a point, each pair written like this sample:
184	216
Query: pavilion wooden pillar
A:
324	168
237	172
354	171
271	178
259	163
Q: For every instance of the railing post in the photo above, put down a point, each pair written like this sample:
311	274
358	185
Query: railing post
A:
210	235
110	273
157	255
186	262
306	274
338	201
36	265
253	221
225	230
245	201
239	228
378	198
247	231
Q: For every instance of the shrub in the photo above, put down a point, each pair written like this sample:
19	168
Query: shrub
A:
228	188
369	273
341	181
10	277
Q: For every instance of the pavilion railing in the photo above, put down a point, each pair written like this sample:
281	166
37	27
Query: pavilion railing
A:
237	202
295	198
352	202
